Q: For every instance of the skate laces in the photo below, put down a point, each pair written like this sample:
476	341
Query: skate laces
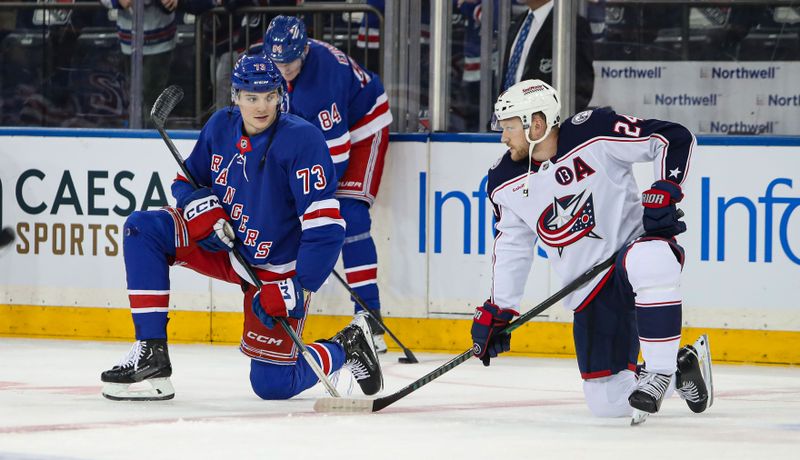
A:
358	369
133	356
689	392
653	384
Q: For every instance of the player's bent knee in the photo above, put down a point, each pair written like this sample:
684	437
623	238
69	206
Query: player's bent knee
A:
652	264
273	382
141	223
271	392
608	396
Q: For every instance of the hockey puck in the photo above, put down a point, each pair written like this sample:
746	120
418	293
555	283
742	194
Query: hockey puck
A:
404	360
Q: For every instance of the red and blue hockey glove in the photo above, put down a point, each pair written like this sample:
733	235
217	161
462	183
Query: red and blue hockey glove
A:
661	217
280	299
206	220
487	341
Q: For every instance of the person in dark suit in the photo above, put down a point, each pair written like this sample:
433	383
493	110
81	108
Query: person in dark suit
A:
534	55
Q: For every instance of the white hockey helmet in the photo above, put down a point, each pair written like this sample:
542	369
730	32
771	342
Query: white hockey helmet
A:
523	100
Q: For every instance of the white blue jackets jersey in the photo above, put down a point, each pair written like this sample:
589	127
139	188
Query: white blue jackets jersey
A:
583	204
277	187
346	102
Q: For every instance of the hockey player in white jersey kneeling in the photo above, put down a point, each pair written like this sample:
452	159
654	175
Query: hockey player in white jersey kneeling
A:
570	185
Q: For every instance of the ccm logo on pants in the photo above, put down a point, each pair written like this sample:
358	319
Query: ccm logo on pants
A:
264	339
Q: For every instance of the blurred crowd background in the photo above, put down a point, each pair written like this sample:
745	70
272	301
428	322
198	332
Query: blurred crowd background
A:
67	63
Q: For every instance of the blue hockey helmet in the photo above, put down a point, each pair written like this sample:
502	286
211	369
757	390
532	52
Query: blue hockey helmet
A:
285	39
256	73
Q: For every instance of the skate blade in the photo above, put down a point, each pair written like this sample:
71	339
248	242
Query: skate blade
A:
703	349
638	417
159	390
343	405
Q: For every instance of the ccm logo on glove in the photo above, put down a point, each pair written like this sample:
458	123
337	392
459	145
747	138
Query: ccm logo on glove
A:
197	207
206	221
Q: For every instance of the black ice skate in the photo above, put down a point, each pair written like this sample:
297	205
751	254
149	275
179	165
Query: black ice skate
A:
377	331
649	392
693	378
360	356
148	362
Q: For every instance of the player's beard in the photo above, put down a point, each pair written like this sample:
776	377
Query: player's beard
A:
519	152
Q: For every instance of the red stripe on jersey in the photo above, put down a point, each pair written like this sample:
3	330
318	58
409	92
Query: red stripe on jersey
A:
361	275
379	110
333	213
339	149
181	178
149	301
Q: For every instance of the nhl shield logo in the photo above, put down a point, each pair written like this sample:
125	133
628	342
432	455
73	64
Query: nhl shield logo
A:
546	66
244	145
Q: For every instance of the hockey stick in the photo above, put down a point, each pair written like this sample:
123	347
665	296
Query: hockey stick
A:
410	358
167	100
374	405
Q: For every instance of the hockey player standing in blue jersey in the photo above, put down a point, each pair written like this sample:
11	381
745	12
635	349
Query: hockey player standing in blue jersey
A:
571	186
348	104
268	175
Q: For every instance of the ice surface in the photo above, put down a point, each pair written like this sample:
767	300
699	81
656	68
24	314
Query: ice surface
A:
519	408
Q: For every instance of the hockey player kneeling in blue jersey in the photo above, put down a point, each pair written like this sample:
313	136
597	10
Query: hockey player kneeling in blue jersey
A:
349	106
269	175
571	186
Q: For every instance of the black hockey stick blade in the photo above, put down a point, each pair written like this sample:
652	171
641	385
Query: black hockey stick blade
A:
351	405
166	102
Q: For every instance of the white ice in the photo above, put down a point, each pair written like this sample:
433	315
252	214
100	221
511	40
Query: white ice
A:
51	408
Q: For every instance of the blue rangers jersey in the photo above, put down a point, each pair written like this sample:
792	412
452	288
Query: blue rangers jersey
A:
346	102
277	187
583	204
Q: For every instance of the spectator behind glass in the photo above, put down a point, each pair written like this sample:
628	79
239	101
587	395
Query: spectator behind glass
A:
533	57
245	34
159	41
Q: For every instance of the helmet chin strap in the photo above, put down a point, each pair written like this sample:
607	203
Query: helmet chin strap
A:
531	145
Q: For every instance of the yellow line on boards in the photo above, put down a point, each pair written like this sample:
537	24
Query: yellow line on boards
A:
536	338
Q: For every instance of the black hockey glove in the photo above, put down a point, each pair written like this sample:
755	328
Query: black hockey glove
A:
661	217
487	341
